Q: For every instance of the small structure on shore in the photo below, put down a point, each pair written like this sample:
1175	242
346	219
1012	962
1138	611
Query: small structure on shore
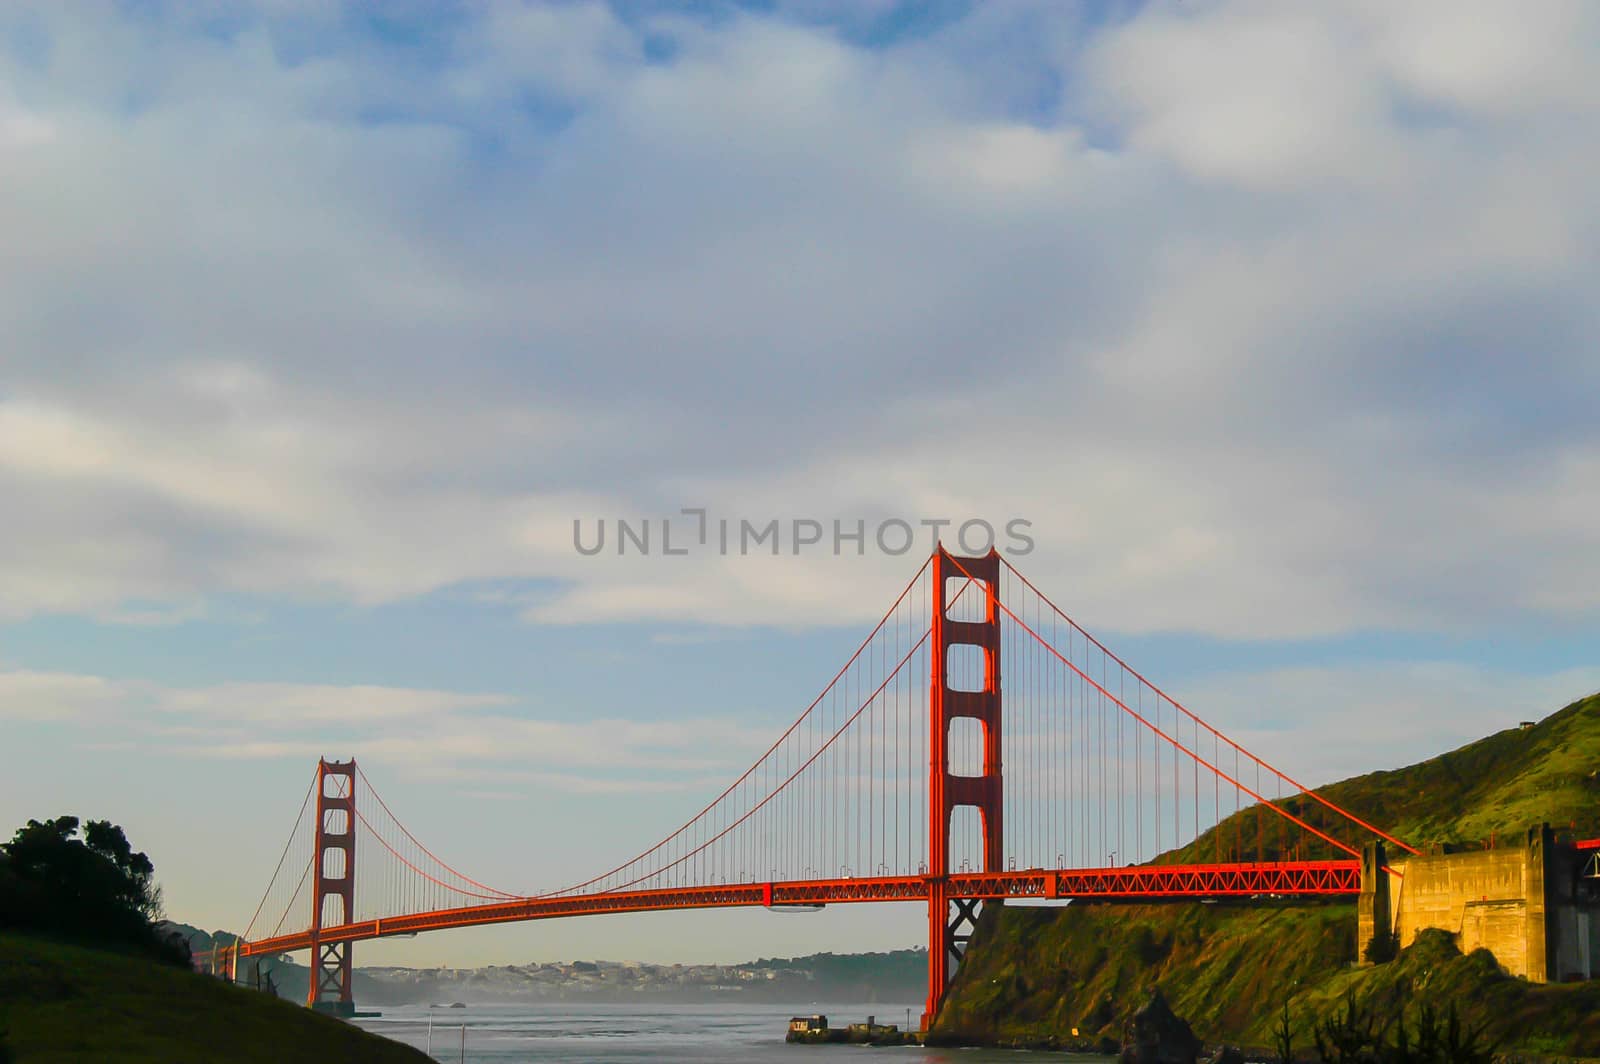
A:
814	1030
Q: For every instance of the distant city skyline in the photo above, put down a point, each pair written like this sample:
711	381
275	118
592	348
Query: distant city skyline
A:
328	327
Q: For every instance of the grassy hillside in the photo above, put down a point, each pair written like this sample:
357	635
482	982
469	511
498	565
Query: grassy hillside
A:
1033	974
1036	973
69	1004
1039	973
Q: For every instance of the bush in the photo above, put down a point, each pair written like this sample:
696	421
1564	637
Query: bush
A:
1383	947
1358	1035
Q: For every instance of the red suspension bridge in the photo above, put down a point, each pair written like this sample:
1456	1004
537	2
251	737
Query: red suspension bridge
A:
915	776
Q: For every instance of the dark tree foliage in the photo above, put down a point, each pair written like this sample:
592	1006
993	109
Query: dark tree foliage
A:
89	886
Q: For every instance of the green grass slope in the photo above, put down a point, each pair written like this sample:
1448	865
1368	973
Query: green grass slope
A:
1033	974
61	1003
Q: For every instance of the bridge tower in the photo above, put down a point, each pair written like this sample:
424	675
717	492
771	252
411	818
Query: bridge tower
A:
334	886
951	918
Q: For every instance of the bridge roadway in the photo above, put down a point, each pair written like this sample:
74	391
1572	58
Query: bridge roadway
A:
1153	882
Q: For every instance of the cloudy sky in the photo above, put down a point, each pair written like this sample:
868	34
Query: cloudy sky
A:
320	326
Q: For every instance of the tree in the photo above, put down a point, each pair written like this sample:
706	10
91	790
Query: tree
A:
89	885
1285	1037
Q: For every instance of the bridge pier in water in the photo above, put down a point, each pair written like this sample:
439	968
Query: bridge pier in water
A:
952	919
334	886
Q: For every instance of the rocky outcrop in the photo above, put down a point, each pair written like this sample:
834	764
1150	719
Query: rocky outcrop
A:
1157	1035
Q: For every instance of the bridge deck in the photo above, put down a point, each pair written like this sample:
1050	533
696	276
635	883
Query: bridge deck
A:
1290	878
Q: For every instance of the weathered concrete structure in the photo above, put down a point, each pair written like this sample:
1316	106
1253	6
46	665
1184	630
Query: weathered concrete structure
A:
1533	905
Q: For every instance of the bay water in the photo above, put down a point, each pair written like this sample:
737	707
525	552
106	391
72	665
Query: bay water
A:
634	1032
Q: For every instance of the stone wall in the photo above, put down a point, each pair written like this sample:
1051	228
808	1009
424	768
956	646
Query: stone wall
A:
1528	904
1482	898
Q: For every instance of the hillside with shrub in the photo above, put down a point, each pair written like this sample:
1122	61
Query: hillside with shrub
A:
88	971
1033	975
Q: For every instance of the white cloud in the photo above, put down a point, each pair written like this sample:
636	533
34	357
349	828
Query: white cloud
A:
289	704
19	129
1490	58
1318	723
1276	322
26	695
423	734
1250	93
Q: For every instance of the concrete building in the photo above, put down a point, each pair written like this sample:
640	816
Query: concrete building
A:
1533	904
